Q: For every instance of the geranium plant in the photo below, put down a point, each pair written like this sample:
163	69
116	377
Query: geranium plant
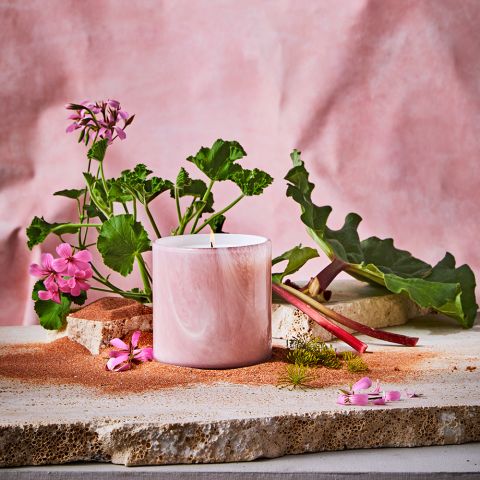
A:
108	210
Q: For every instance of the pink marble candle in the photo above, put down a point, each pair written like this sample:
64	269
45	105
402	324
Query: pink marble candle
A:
212	306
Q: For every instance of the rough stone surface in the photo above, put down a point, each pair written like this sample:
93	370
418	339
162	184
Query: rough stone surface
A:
110	317
45	424
366	304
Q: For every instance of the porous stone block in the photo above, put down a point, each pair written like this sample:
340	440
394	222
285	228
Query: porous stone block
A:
366	304
111	317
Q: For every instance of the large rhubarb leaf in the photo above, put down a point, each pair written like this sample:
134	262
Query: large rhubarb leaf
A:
443	288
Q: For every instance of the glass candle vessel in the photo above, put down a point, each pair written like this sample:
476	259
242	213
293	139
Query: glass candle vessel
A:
212	300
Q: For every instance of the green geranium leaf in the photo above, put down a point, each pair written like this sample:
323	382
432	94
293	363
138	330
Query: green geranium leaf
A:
444	288
120	240
117	191
217	162
98	149
188	187
145	189
51	315
39	230
297	257
216	223
71	193
252	182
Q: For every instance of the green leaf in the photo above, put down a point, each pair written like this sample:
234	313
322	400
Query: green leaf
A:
217	162
297	257
97	192
39	230
51	315
120	240
145	189
252	182
443	288
71	193
98	149
216	223
188	187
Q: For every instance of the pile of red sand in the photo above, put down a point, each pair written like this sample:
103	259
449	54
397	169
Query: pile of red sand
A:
66	362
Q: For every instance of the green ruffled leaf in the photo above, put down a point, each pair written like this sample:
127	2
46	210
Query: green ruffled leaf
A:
252	182
39	230
97	150
217	162
120	240
189	187
443	288
216	223
51	315
297	257
71	193
145	189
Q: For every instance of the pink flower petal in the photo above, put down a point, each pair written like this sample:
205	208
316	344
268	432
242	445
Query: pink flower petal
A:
113	103
392	396
44	295
47	260
35	270
115	361
377	387
121	134
116	353
72	127
117	343
64	250
135	337
83	256
145	355
358	399
362	384
379	401
122	368
123	114
60	264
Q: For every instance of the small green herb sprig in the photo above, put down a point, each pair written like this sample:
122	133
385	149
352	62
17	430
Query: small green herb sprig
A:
306	354
296	376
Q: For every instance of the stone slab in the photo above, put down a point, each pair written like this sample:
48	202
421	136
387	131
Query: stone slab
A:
372	306
426	463
45	424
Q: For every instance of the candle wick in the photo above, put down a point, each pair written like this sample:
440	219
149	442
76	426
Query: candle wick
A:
211	244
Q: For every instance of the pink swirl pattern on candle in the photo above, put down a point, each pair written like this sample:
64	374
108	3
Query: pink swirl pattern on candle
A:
212	306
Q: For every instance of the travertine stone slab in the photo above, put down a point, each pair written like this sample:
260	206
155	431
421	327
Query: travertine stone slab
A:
366	304
46	424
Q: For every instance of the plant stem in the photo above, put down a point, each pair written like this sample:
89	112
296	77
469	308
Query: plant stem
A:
177	204
339	332
204	200
152	221
81	225
217	214
328	274
347	322
144	274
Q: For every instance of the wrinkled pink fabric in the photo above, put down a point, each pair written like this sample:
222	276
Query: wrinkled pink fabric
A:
382	97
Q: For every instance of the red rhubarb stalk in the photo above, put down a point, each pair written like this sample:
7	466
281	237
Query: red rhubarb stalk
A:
315	315
359	327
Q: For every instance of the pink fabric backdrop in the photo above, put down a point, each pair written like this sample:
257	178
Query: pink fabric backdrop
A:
382	97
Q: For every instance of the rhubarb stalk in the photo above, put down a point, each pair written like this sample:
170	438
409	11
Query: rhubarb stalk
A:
347	322
293	298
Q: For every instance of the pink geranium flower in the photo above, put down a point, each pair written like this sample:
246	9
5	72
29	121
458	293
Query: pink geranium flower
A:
106	124
127	355
51	278
355	396
76	284
69	263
